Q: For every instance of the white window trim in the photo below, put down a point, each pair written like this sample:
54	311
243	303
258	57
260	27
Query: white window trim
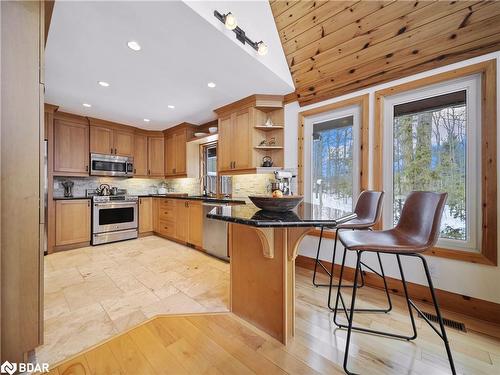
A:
472	86
353	110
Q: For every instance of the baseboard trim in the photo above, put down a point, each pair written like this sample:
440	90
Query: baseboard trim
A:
470	306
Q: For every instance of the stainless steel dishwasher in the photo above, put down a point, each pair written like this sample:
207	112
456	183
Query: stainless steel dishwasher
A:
214	233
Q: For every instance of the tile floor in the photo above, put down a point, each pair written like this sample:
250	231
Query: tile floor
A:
93	293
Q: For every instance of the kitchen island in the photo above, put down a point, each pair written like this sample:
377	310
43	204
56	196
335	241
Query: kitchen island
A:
263	246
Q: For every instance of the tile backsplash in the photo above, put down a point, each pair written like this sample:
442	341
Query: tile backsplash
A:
134	186
251	184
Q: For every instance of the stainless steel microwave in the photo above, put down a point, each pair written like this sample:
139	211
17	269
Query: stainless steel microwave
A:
111	165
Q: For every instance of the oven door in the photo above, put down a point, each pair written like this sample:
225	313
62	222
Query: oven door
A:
114	216
107	165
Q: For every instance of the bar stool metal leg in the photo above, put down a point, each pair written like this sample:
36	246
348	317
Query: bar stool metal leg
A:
381	274
318	261
443	335
351	315
347	312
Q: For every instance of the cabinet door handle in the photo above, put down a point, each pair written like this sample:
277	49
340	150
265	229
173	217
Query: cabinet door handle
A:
111	149
149	171
115	151
87	168
135	171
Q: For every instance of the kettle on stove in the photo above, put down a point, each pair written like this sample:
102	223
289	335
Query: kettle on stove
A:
104	189
267	161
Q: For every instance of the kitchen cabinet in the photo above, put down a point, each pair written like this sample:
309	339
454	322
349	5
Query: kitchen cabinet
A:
195	223
236	126
101	140
176	150
111	140
140	155
164	222
72	221
149	156
179	219
182	220
156	160
145	215
224	143
71	146
242	129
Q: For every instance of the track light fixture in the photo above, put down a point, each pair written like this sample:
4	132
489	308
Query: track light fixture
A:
229	20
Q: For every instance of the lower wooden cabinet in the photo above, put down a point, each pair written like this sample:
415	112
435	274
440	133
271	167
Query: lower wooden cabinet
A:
178	219
72	221
195	235
145	215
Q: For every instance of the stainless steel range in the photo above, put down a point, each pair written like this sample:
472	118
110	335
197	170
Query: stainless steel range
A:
114	218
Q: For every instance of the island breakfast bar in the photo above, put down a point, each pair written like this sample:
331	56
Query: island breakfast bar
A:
263	246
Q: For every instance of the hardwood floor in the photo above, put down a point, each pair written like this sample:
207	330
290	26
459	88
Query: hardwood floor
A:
222	343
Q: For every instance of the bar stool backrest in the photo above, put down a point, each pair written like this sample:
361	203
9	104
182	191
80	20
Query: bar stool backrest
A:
369	207
421	217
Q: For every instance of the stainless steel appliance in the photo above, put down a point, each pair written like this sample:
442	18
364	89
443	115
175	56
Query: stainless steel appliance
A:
214	233
111	165
283	182
114	218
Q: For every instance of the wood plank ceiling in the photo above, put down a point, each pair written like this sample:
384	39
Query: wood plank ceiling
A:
336	47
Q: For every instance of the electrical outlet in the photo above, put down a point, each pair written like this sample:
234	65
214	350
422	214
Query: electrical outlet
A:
433	269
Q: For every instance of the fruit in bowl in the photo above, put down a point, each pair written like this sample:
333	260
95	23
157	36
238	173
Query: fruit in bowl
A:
277	194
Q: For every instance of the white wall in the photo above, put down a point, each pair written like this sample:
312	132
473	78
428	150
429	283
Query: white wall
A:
465	278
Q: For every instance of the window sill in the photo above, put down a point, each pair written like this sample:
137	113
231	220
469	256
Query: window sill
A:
464	256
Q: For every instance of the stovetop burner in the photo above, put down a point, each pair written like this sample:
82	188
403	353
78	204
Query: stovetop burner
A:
112	198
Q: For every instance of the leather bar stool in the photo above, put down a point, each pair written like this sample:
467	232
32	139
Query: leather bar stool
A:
416	231
368	210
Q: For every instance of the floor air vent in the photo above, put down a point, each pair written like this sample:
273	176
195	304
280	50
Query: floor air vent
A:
447	322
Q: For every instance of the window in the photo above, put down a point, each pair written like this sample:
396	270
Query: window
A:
432	138
209	168
333	150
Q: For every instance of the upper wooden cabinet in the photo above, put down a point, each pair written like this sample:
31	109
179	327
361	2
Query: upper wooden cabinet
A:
140	155
110	138
244	138
149	159
175	149
156	159
71	145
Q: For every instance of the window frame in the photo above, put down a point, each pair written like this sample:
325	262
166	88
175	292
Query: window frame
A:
355	112
363	102
488	249
471	84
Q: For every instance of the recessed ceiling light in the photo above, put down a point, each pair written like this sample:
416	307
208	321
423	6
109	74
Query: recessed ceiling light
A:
211	85
147	120
133	45
87	105
171	106
103	84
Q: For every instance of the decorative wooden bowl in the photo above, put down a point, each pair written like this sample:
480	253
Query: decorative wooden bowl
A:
284	204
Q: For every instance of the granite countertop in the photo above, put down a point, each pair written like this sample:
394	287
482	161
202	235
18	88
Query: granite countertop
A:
304	215
199	198
178	196
69	198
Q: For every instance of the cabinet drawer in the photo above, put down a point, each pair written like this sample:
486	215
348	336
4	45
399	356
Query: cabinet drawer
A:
167	203
167	213
167	228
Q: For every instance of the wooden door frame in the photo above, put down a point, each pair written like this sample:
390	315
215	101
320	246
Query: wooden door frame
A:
489	244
